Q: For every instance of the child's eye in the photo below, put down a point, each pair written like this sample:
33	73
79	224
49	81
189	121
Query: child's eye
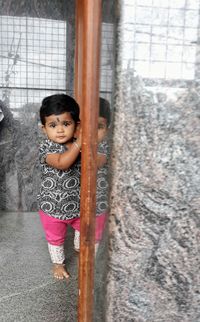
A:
66	123
52	125
101	126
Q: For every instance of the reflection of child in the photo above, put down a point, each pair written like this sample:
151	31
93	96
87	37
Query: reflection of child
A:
102	173
59	195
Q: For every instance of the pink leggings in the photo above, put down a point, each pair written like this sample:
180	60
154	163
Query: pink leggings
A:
56	229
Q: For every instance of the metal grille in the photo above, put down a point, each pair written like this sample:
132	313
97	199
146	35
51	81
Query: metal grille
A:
32	59
107	60
161	38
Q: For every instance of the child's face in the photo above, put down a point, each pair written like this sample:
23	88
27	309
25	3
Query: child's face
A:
59	128
102	128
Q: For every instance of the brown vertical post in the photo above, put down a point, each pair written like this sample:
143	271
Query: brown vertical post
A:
88	26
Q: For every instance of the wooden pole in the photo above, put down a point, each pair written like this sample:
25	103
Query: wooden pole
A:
87	65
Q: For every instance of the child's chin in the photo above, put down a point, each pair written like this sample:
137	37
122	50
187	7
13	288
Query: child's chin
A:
61	141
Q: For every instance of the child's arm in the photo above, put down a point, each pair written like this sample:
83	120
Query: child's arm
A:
101	160
63	161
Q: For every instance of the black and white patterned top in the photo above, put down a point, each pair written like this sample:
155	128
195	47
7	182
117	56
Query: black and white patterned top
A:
59	194
102	181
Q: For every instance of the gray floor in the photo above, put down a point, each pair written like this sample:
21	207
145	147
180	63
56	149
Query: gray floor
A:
28	292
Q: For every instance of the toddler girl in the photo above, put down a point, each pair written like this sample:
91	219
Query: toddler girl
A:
59	196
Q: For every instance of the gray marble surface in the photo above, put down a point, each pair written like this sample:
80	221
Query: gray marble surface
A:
154	264
28	291
19	171
154	247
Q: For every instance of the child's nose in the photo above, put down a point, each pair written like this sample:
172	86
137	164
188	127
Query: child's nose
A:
60	128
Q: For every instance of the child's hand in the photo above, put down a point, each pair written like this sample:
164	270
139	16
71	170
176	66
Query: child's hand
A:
79	134
101	160
78	129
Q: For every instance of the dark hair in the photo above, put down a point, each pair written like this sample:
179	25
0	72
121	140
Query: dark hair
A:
104	109
59	104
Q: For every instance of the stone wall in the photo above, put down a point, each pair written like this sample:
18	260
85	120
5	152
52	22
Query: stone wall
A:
154	263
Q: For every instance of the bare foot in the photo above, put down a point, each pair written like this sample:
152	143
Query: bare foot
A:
60	272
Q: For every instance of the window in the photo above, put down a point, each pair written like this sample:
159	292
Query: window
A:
161	38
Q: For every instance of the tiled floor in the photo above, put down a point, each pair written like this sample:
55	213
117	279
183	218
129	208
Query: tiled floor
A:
28	292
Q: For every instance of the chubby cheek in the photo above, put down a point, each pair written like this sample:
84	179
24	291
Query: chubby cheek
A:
101	134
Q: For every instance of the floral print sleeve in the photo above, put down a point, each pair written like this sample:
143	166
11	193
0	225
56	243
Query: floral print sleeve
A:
103	147
102	181
49	147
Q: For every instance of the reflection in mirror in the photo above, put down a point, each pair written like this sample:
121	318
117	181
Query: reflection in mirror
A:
104	148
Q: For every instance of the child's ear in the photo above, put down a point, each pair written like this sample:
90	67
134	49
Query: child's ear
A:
43	129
